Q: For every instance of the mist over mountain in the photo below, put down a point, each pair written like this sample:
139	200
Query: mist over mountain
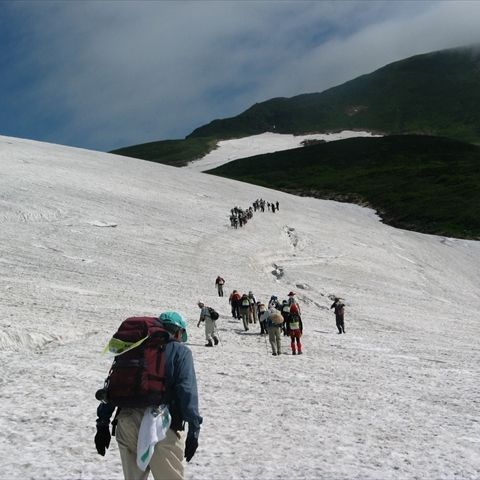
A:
436	93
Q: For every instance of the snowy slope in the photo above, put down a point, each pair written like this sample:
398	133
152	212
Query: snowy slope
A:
229	150
88	239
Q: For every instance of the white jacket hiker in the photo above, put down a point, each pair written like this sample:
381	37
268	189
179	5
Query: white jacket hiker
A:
210	325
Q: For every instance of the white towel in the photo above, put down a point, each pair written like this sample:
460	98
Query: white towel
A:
154	427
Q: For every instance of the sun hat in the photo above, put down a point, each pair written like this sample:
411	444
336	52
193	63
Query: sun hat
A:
176	319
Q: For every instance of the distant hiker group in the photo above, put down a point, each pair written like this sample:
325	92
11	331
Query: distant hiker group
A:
239	217
277	318
260	204
290	323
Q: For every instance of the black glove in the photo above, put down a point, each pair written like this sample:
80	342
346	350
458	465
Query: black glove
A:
102	439
191	446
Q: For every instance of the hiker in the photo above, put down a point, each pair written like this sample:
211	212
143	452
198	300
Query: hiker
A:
253	312
181	398
273	302
220	282
278	205
274	323
262	318
295	331
285	310
339	314
244	308
234	300
292	300
210	325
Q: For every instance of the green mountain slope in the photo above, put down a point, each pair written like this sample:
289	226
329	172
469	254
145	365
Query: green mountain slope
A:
170	152
437	93
421	183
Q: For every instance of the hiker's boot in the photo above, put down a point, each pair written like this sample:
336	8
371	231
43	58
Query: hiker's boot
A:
294	352
215	340
209	344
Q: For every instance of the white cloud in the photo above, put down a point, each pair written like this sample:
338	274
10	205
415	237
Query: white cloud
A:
119	73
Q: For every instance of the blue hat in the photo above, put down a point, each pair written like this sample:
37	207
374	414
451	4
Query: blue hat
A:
174	318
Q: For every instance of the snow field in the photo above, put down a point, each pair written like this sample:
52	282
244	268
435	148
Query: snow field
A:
89	239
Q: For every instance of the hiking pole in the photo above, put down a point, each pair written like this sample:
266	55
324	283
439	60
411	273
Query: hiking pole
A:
266	345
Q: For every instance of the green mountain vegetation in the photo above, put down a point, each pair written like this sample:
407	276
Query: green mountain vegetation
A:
170	152
435	94
416	182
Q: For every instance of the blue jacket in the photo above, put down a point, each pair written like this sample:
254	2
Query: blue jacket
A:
182	395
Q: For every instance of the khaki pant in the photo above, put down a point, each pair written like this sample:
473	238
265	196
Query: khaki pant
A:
210	329
275	339
166	462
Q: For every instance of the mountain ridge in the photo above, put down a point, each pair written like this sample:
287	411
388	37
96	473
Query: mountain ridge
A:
412	95
434	93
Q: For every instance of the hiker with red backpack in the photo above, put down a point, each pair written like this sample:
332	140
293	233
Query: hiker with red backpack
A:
339	314
292	300
151	413
206	316
234	300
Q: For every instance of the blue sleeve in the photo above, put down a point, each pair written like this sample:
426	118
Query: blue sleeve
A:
185	387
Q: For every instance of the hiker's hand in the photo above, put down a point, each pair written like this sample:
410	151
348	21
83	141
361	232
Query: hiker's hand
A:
102	439
191	446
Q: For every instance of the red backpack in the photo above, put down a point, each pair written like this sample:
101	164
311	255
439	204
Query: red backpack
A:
137	375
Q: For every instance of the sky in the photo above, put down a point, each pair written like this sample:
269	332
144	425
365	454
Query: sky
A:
106	74
89	239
